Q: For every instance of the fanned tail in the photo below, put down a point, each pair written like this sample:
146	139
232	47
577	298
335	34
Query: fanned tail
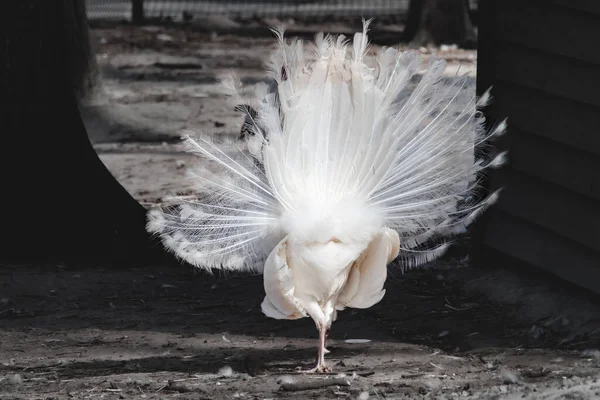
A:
233	224
340	146
428	184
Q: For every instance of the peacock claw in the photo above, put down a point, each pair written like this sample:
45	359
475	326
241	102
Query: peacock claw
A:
319	369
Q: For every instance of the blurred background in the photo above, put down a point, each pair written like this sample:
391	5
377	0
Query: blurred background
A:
159	63
182	10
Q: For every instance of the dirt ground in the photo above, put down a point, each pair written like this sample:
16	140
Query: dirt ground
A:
172	332
162	333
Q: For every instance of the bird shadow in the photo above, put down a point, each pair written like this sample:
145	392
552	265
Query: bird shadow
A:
419	307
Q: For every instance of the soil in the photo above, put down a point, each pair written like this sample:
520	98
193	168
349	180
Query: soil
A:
169	332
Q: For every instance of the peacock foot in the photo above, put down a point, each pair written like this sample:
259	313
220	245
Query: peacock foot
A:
318	369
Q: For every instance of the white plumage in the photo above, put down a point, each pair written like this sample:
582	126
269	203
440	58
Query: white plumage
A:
346	169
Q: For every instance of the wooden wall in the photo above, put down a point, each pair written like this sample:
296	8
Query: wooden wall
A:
542	58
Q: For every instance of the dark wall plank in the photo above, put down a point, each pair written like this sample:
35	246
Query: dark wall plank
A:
547	27
589	6
552	74
553	117
565	213
541	248
486	69
540	58
553	162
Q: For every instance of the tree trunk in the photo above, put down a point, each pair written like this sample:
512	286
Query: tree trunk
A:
436	22
59	202
86	75
137	12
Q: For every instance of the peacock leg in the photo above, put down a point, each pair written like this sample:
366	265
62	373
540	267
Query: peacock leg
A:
321	366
